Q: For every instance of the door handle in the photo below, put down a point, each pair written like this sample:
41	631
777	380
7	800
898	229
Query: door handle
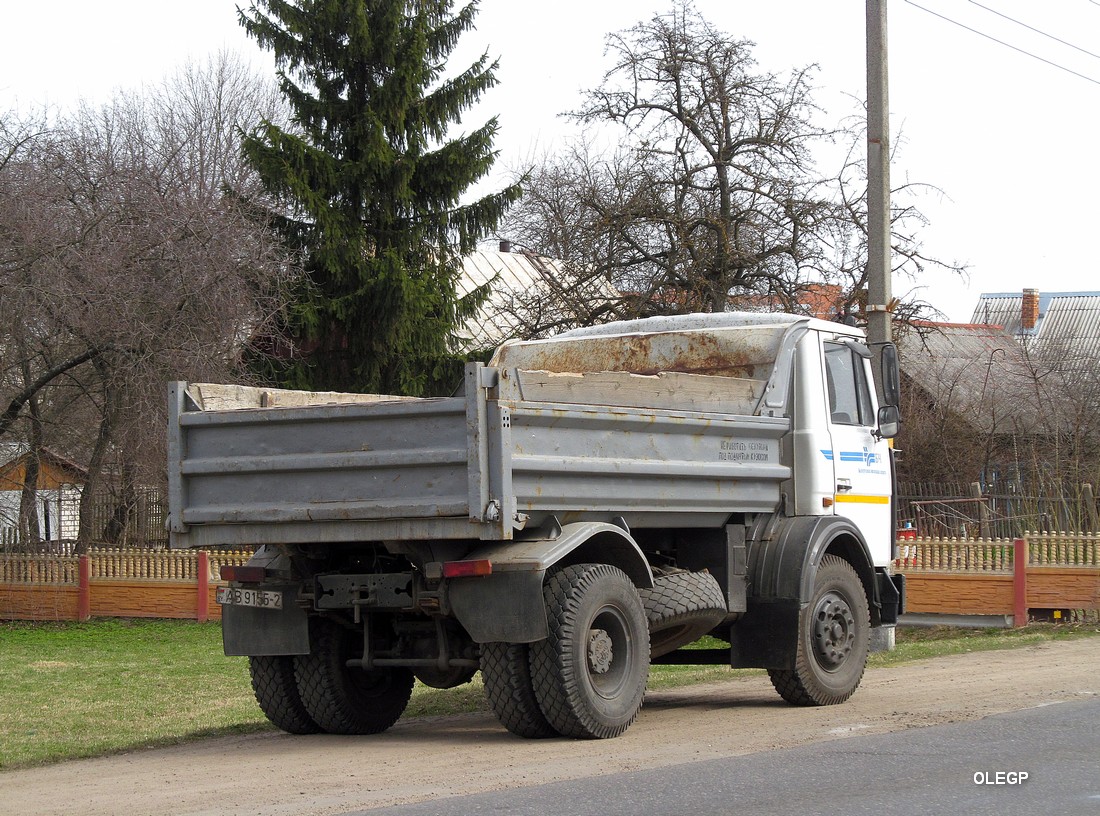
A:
843	485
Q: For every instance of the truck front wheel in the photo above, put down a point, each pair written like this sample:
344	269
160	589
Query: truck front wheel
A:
833	635
344	699
590	672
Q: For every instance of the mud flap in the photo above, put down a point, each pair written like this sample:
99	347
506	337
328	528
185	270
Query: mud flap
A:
891	596
250	631
766	636
506	606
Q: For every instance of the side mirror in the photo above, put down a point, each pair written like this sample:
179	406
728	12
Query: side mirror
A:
891	378
889	422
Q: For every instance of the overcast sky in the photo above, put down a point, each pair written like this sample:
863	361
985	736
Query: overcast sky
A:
1010	139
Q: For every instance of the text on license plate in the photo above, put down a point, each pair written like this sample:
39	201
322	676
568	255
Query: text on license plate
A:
236	596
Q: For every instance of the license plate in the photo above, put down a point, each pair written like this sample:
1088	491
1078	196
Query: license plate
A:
236	596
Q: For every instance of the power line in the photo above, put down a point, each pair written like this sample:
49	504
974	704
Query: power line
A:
1002	42
1036	30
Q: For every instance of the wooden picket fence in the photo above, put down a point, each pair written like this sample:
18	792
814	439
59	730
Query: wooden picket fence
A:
1044	573
997	554
113	583
1008	577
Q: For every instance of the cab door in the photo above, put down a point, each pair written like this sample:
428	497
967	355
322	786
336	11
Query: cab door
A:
861	466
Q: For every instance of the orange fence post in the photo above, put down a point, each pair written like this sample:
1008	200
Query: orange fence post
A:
1019	582
84	589
202	607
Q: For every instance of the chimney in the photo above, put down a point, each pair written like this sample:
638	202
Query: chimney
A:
1029	309
505	246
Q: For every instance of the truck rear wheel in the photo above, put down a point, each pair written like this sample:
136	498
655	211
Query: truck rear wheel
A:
277	693
590	672
833	637
343	699
506	672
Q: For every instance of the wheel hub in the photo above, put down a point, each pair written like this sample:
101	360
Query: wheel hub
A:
834	630
600	651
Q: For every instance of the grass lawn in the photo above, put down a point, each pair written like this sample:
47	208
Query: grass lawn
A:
76	690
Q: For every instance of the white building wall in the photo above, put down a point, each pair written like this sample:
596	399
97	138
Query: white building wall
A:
58	512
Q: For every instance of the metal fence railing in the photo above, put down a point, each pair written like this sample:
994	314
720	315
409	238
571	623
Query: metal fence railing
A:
946	510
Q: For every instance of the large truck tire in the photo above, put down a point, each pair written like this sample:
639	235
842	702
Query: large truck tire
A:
276	691
590	671
681	608
833	637
506	672
342	699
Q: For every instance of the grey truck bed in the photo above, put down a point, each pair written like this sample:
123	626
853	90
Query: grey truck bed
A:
669	449
456	468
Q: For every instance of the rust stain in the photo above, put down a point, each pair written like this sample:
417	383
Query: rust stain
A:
686	353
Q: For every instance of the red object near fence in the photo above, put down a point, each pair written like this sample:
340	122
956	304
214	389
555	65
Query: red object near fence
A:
84	591
1019	582
202	607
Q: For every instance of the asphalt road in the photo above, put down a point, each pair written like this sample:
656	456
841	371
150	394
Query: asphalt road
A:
1042	761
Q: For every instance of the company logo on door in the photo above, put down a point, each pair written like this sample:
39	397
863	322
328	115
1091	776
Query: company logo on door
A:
866	456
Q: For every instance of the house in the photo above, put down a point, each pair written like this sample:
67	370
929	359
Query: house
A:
980	370
530	296
976	405
60	481
1055	325
824	301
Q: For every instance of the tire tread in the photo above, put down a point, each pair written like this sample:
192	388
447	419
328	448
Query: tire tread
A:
276	691
557	685
799	686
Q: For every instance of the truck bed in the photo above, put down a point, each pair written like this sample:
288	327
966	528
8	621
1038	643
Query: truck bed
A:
248	466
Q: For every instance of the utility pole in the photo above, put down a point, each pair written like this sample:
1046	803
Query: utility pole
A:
879	265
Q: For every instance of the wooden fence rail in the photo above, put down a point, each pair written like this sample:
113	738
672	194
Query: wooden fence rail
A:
1055	572
113	583
997	554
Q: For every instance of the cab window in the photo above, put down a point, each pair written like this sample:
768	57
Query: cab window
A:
849	395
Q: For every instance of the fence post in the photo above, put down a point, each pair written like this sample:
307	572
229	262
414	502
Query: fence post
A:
84	588
1019	582
202	606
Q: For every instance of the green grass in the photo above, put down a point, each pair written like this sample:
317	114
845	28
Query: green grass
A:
75	690
78	690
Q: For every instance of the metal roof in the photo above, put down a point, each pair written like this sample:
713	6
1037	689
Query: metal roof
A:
1068	325
530	296
981	374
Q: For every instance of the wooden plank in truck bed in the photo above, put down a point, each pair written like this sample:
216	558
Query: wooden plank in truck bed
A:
218	397
669	390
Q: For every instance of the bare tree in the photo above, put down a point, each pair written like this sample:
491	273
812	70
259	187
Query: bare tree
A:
982	407
843	256
711	198
713	192
128	258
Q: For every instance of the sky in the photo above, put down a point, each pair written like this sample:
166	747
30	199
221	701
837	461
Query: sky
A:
994	106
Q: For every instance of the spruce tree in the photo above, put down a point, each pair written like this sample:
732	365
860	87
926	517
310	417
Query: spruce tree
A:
370	185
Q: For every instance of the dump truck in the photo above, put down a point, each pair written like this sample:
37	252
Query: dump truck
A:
591	504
